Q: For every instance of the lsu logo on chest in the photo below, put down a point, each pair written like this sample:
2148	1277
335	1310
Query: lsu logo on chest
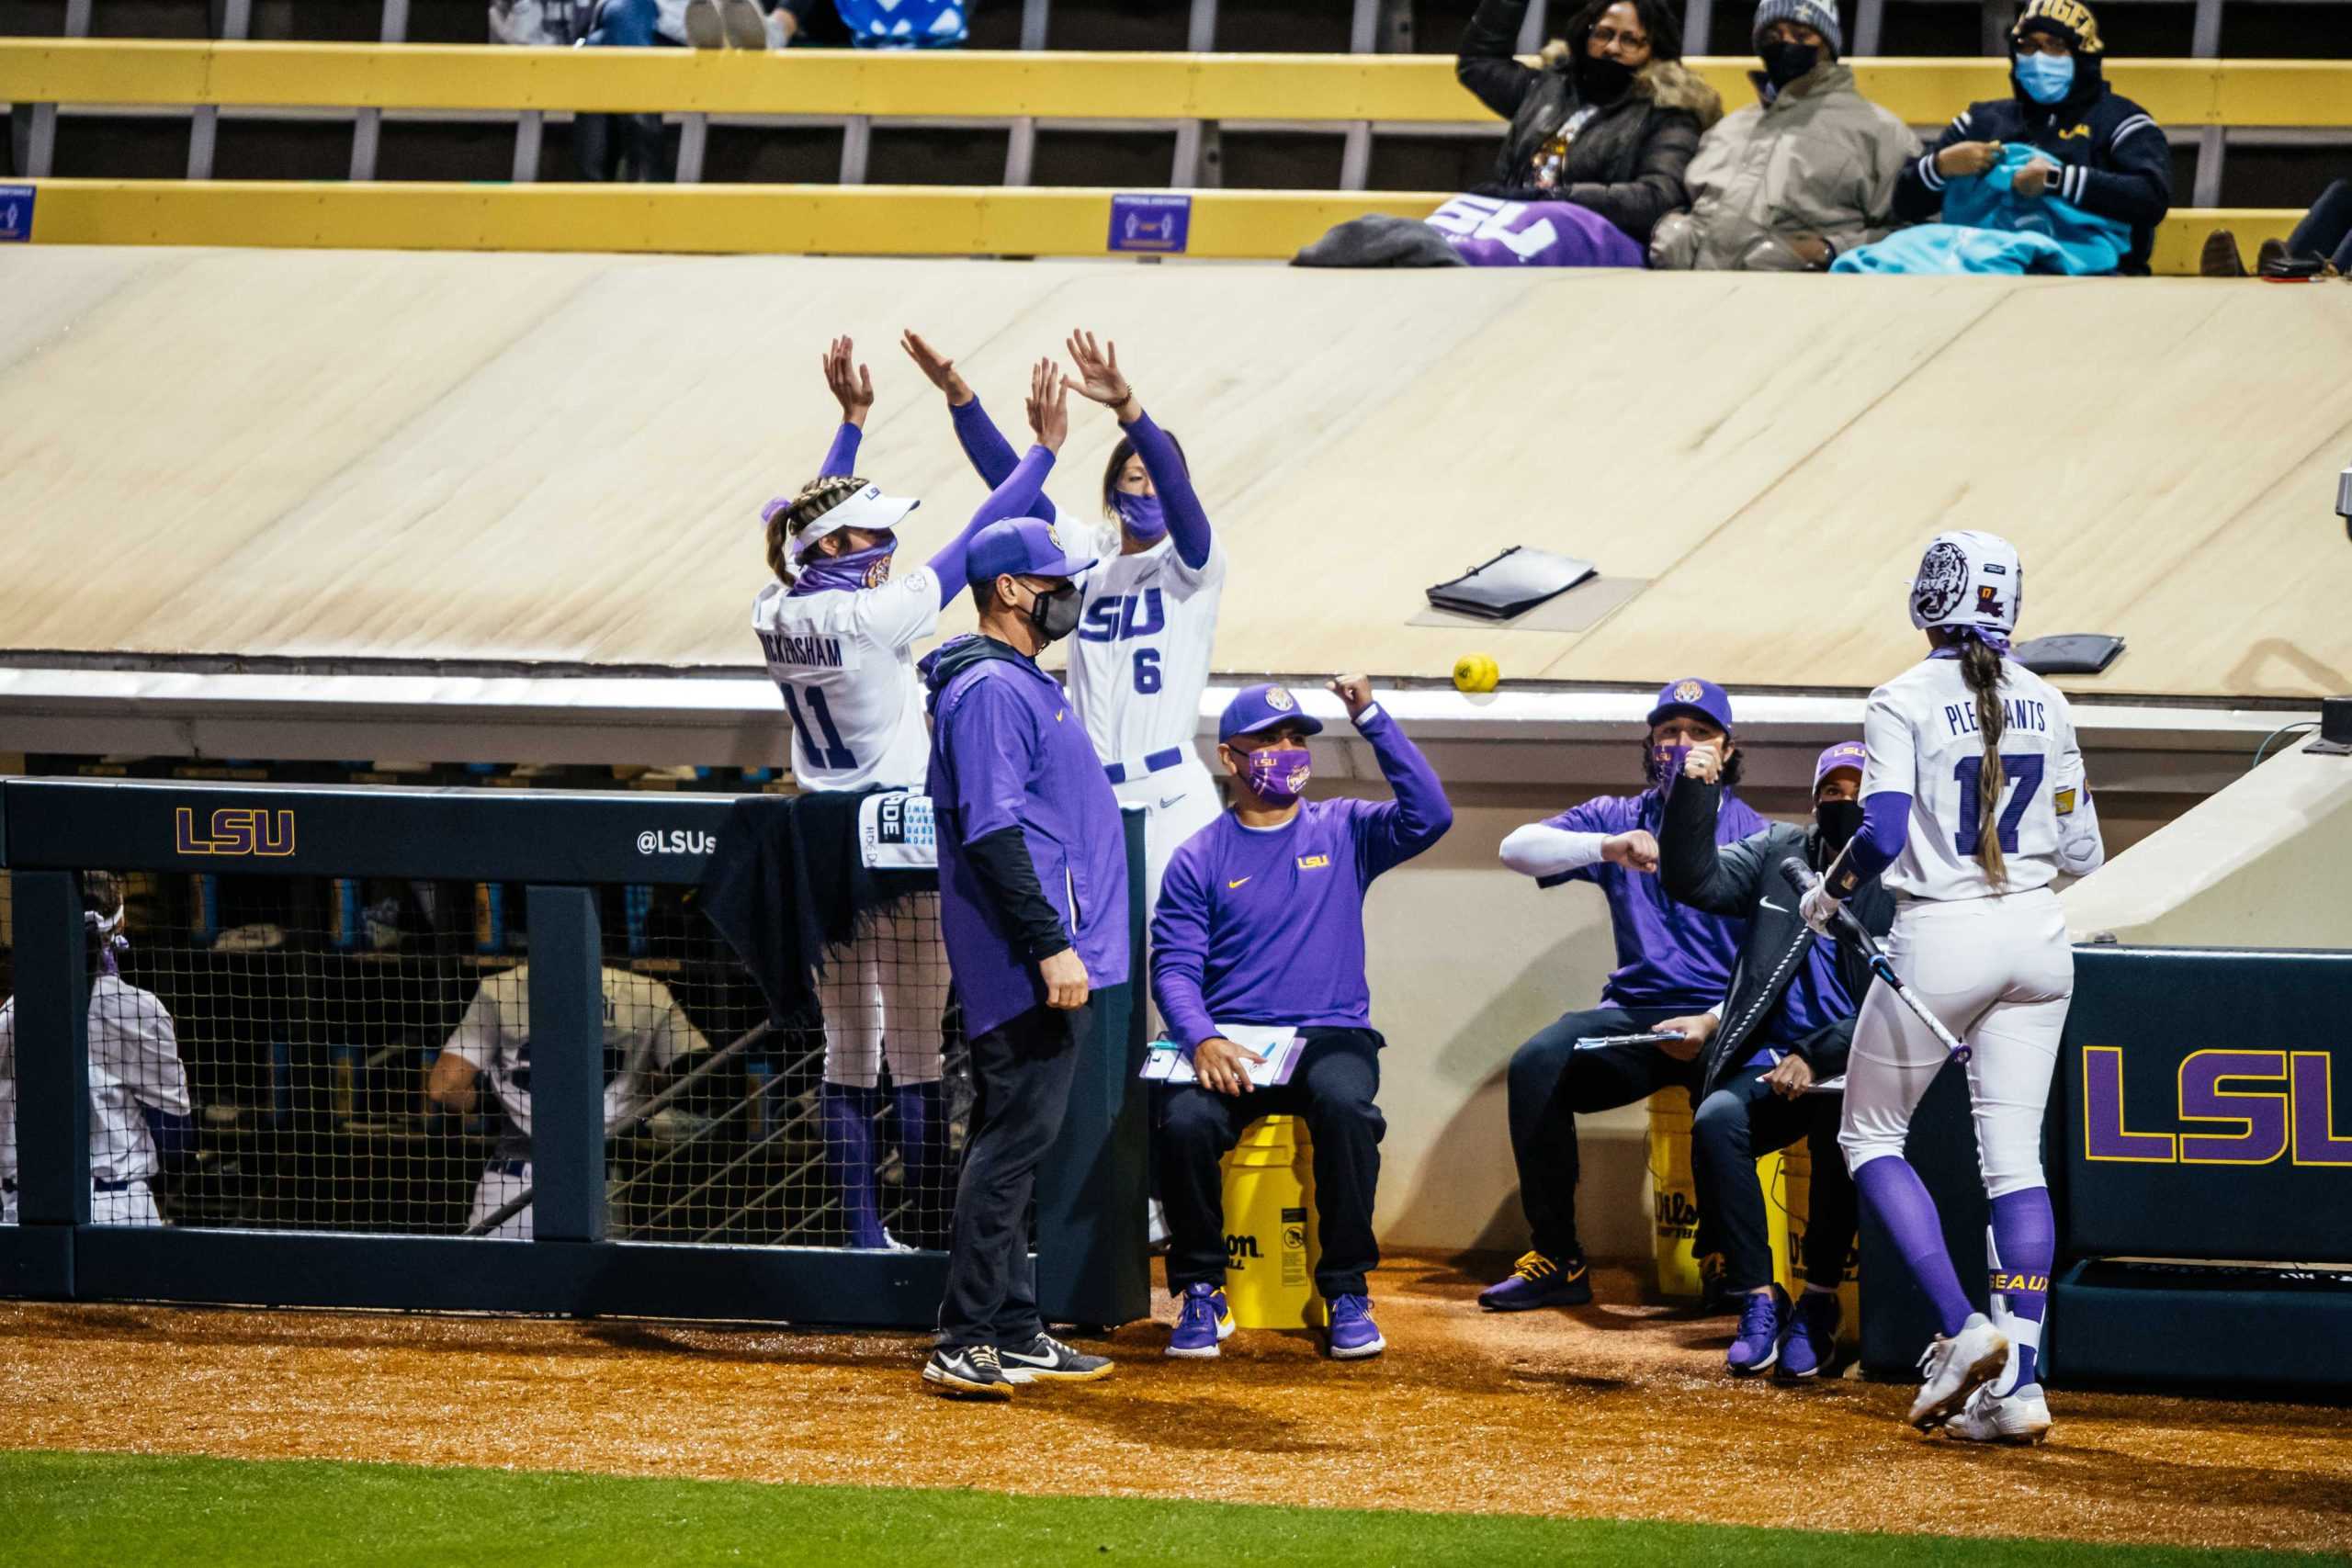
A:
1124	617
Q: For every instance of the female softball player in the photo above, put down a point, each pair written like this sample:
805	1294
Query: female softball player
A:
838	632
1973	800
1140	660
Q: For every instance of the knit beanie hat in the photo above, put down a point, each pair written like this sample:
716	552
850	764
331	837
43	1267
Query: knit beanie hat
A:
1821	16
2068	19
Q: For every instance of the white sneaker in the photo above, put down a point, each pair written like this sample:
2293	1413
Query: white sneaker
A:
705	29
2022	1417
746	27
1955	1367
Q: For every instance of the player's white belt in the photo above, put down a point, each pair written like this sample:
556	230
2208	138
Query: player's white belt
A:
1156	763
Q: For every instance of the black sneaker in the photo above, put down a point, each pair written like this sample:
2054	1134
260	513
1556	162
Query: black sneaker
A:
1047	1360
972	1372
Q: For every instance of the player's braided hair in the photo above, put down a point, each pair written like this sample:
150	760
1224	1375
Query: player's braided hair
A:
1980	666
816	498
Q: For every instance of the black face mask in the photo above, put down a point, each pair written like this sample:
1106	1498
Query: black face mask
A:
1839	820
1784	62
1602	80
1055	615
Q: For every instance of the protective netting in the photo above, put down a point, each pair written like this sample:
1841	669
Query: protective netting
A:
350	1055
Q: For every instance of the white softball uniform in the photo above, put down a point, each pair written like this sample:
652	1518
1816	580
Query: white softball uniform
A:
1995	966
1138	664
134	1066
845	661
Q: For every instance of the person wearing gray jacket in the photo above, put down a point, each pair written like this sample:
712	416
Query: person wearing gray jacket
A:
1807	173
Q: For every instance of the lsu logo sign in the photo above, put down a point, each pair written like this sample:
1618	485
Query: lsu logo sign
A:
233	831
2243	1107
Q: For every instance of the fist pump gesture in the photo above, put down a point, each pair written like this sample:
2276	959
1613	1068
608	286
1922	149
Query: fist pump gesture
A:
854	390
1099	379
939	370
1048	405
1356	691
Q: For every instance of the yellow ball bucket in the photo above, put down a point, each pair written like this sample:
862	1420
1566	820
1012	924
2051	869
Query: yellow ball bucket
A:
1674	1200
1270	1242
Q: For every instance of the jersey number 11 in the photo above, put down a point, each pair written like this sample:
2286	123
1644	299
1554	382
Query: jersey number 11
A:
832	754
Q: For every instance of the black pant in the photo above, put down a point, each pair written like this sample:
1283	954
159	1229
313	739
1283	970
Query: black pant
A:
1551	1083
2326	229
1331	1090
1734	1125
1021	1079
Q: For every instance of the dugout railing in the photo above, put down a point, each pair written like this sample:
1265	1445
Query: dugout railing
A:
565	853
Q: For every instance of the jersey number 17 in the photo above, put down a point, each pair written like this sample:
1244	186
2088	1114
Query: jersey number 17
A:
2022	769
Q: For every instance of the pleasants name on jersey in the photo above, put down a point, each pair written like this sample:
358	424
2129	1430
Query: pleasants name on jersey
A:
2022	712
782	648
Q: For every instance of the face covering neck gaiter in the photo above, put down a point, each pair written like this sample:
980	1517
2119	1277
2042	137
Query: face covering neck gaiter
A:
1839	820
869	567
1141	515
1784	62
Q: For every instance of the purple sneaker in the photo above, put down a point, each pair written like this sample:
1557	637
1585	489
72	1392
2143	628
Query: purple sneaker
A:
1810	1341
1539	1281
1202	1321
1761	1312
1353	1334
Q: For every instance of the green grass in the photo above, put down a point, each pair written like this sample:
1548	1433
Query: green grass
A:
125	1511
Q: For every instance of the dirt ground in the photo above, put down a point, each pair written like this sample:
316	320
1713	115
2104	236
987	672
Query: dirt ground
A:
1609	1410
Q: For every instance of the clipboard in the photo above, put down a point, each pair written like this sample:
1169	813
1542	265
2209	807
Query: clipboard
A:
1278	1048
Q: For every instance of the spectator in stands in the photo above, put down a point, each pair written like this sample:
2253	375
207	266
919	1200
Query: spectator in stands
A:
1606	124
1261	924
140	1109
2064	156
2321	245
1673	963
647	1037
1786	1023
1809	171
903	24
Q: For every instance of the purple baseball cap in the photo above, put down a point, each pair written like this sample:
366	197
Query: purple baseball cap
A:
1845	754
1019	546
1692	695
1254	708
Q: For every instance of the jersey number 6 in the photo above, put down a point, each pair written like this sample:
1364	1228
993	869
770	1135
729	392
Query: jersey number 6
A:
1146	669
2023	769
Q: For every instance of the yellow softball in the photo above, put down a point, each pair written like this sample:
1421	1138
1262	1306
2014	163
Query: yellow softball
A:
1477	673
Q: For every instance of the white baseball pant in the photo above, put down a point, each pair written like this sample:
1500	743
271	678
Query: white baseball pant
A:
883	994
1179	802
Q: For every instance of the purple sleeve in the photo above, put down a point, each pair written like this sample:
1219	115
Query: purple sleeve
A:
1180	945
990	751
841	458
989	452
1187	524
1393	831
1014	497
1886	828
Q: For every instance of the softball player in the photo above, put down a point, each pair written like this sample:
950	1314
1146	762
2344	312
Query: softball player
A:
838	633
1974	801
1148	622
646	1032
135	1075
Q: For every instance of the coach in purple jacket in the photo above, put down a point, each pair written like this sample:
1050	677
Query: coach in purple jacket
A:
1260	921
1033	881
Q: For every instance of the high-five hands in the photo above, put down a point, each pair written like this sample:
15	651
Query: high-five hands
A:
1048	405
1099	377
936	367
852	389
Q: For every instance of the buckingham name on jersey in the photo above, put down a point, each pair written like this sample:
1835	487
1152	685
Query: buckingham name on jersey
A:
1921	732
845	664
1139	659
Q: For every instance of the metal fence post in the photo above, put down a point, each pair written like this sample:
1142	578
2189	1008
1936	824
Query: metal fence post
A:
1034	16
204	120
367	125
567	1066
52	1051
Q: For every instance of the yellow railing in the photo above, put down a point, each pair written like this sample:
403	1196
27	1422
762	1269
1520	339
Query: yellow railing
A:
984	83
755	219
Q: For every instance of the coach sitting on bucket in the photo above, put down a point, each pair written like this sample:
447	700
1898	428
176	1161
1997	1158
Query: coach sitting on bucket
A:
1260	921
1786	1023
1033	884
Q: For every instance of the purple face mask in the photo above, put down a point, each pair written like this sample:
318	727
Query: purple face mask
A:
1142	514
1278	774
869	567
1666	763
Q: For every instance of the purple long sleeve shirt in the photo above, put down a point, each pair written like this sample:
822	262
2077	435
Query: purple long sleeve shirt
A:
1668	955
1187	525
841	457
1266	925
986	449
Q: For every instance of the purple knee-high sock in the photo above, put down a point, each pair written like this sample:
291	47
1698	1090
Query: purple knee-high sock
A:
848	1114
921	1112
1891	1189
2025	1244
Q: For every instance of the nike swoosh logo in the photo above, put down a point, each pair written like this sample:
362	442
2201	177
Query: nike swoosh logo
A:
1169	801
1775	907
1057	715
1239	881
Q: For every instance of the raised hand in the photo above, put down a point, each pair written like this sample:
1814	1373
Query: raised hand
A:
1099	377
1356	691
1048	405
852	389
937	368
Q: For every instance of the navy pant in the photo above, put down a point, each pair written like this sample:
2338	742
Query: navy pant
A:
607	146
1736	1124
1551	1083
2326	229
1331	1090
1022	1072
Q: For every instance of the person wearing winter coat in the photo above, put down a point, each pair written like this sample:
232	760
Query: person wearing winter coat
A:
1803	175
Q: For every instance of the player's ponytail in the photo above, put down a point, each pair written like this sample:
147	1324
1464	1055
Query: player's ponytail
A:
816	498
1980	666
